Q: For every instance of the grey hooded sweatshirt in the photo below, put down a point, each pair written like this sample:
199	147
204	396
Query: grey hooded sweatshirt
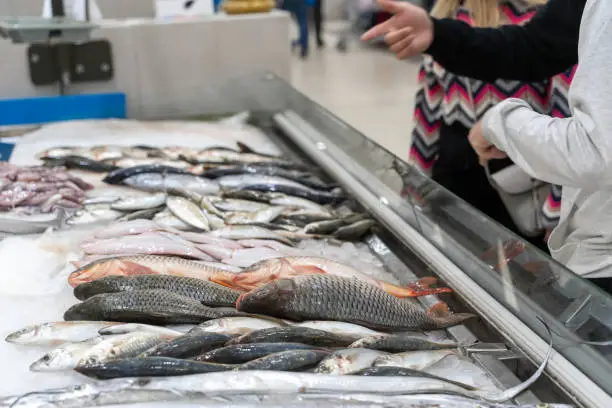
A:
575	152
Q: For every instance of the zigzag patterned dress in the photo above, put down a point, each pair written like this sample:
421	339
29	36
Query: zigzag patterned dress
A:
448	105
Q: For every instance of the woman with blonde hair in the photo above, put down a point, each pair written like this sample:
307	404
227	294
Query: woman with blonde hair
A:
448	105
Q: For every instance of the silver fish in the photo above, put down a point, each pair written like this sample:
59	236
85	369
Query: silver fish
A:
249	232
297	202
120	346
166	219
140	203
414	360
238	325
139	327
93	214
172	182
65	357
237	205
55	333
347	329
348	361
263	216
188	212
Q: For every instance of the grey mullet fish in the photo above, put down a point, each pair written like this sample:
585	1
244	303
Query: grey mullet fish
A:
325	297
145	306
206	292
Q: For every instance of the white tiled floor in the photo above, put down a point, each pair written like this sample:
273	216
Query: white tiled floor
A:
366	87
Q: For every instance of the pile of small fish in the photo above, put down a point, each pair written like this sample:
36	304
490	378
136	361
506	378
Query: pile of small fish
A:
35	190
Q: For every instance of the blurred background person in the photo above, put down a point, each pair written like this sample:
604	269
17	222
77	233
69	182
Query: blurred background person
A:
448	105
299	11
318	18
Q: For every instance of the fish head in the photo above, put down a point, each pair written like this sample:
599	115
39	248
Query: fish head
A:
256	275
99	269
268	299
29	335
55	360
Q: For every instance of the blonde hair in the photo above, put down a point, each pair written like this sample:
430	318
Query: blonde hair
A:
486	13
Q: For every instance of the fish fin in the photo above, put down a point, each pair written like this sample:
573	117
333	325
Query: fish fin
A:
223	280
440	309
452	319
243	148
411	290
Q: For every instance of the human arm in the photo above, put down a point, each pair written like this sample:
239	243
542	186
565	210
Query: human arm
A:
575	151
537	50
543	47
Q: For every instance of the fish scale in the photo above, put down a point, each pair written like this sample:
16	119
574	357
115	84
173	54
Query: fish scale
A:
324	297
210	294
144	306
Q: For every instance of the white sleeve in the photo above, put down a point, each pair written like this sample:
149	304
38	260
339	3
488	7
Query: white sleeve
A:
575	151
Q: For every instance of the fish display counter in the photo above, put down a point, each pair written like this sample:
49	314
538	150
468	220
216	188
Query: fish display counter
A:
271	255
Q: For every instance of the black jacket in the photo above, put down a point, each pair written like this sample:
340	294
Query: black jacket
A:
544	47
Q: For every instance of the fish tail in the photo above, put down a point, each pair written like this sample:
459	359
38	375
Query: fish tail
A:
412	290
452	319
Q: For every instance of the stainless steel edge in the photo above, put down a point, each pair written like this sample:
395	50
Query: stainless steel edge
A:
559	369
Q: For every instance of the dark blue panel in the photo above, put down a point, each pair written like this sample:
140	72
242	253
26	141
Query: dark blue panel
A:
60	108
6	149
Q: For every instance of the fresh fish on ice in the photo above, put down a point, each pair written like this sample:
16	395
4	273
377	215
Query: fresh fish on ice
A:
302	203
188	345
242	353
294	334
125	328
208	293
140	203
79	163
352	300
354	231
148	367
167	220
188	212
172	183
236	205
55	333
342	328
263	216
120	175
400	342
136	244
414	360
144	265
269	270
249	232
286	360
238	325
348	361
121	229
65	357
145	306
200	238
93	214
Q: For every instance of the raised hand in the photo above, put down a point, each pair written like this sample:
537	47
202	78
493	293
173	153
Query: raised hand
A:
409	32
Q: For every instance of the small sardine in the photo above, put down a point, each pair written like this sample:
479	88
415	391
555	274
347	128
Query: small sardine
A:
141	214
144	306
397	343
208	293
242	353
234	326
297	202
236	205
294	334
349	361
93	214
172	182
166	219
55	333
344	299
188	212
263	216
148	367
188	345
323	227
290	360
414	360
140	203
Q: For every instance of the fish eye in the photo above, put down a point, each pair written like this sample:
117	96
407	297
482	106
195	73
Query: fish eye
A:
46	358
